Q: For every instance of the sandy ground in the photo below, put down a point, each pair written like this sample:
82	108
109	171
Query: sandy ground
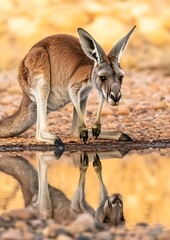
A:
143	114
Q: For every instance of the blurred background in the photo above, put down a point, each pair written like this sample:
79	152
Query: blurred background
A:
24	22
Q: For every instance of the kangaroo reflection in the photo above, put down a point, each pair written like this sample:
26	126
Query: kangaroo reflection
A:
46	201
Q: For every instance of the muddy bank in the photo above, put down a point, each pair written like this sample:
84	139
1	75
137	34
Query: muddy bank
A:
92	146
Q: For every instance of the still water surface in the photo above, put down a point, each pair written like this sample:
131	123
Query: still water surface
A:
141	177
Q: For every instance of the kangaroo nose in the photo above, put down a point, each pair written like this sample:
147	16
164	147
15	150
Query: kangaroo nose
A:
115	97
115	92
115	88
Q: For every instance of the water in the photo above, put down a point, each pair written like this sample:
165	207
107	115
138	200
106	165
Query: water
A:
141	177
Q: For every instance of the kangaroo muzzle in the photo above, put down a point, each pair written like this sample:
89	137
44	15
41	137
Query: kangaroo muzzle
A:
115	94
115	97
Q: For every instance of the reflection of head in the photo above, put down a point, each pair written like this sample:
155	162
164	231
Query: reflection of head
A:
110	212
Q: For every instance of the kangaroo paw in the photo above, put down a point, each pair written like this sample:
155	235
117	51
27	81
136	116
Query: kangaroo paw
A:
84	161
95	132
83	134
96	162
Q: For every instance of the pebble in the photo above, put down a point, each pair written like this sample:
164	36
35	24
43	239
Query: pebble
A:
160	105
107	111
82	223
19	214
124	110
105	235
12	234
63	237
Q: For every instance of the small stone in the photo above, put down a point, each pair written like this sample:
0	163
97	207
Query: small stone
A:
21	225
23	214
85	236
64	237
12	234
160	105
104	236
37	223
107	111
28	236
83	222
123	110
53	230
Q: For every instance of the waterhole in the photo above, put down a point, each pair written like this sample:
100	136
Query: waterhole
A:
141	177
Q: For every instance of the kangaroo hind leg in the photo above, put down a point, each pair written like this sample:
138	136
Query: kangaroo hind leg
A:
38	65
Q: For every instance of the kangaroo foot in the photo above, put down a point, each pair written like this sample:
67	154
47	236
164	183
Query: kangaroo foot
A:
97	163
84	161
58	143
45	137
113	135
83	132
96	130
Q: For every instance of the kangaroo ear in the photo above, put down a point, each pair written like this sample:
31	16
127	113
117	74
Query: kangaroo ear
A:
90	47
116	52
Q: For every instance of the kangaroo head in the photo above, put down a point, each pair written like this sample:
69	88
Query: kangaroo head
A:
110	212
107	74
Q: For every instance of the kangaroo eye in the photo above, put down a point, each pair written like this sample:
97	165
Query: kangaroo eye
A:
106	220
120	79
103	78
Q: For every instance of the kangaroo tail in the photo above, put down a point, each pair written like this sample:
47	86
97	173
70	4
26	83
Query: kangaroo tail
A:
23	119
23	172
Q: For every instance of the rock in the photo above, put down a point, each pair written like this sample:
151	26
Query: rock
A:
12	234
104	235
21	225
106	111
53	230
63	237
160	105
23	214
123	110
28	236
85	236
82	223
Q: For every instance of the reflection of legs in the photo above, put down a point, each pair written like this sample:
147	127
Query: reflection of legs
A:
98	168
78	203
110	210
43	204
